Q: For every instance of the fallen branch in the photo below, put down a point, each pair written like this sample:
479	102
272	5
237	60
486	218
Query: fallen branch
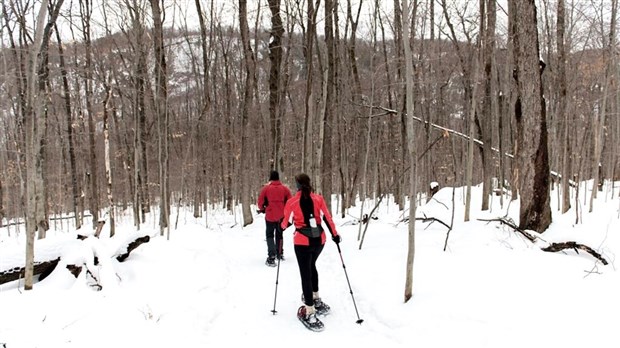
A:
554	247
512	225
572	183
432	219
427	219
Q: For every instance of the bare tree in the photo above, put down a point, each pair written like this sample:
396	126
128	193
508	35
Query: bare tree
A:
562	104
75	188
35	123
487	31
161	111
599	123
309	38
534	183
85	16
330	102
275	90
411	146
107	161
249	65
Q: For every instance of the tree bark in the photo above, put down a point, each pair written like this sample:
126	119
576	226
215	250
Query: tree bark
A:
275	93
161	110
85	15
534	188
247	102
70	142
330	101
308	135
562	106
599	123
35	123
489	99
411	148
107	162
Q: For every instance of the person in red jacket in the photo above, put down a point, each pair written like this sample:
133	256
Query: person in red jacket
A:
271	201
305	211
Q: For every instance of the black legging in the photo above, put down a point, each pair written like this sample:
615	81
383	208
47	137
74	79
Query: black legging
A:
306	259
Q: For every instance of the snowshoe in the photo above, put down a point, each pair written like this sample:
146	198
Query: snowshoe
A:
310	321
271	261
320	307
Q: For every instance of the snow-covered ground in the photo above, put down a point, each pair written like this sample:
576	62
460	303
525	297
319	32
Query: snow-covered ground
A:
208	285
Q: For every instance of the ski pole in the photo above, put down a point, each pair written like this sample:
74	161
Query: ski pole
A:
359	321
273	311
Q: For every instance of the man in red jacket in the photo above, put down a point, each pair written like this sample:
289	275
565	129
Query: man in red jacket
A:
271	201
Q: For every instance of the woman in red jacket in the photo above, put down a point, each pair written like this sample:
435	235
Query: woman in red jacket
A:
305	210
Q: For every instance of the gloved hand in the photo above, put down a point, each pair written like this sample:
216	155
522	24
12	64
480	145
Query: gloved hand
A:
336	239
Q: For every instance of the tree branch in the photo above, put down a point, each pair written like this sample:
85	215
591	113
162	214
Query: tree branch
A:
554	247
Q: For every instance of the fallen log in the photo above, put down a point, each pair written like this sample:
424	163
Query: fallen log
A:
554	247
133	245
42	269
45	267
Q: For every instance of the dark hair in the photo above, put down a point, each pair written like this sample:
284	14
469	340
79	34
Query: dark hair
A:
274	175
303	184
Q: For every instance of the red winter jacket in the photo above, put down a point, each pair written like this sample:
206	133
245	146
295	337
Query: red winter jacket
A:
293	214
271	200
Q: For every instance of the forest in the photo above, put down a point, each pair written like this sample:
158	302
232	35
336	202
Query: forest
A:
133	104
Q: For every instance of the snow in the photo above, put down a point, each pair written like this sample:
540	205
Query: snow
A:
208	285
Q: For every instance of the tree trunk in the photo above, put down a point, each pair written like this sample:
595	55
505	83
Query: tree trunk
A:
600	117
35	122
247	102
108	165
1	204
470	146
307	154
75	190
411	148
535	210
275	93
562	107
161	110
489	99
330	104
85	15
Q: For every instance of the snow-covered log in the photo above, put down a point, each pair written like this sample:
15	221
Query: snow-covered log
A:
42	267
131	246
75	254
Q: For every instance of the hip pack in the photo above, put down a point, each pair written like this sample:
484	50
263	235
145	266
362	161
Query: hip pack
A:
311	232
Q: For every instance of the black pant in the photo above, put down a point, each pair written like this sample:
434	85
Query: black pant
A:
306	259
274	247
